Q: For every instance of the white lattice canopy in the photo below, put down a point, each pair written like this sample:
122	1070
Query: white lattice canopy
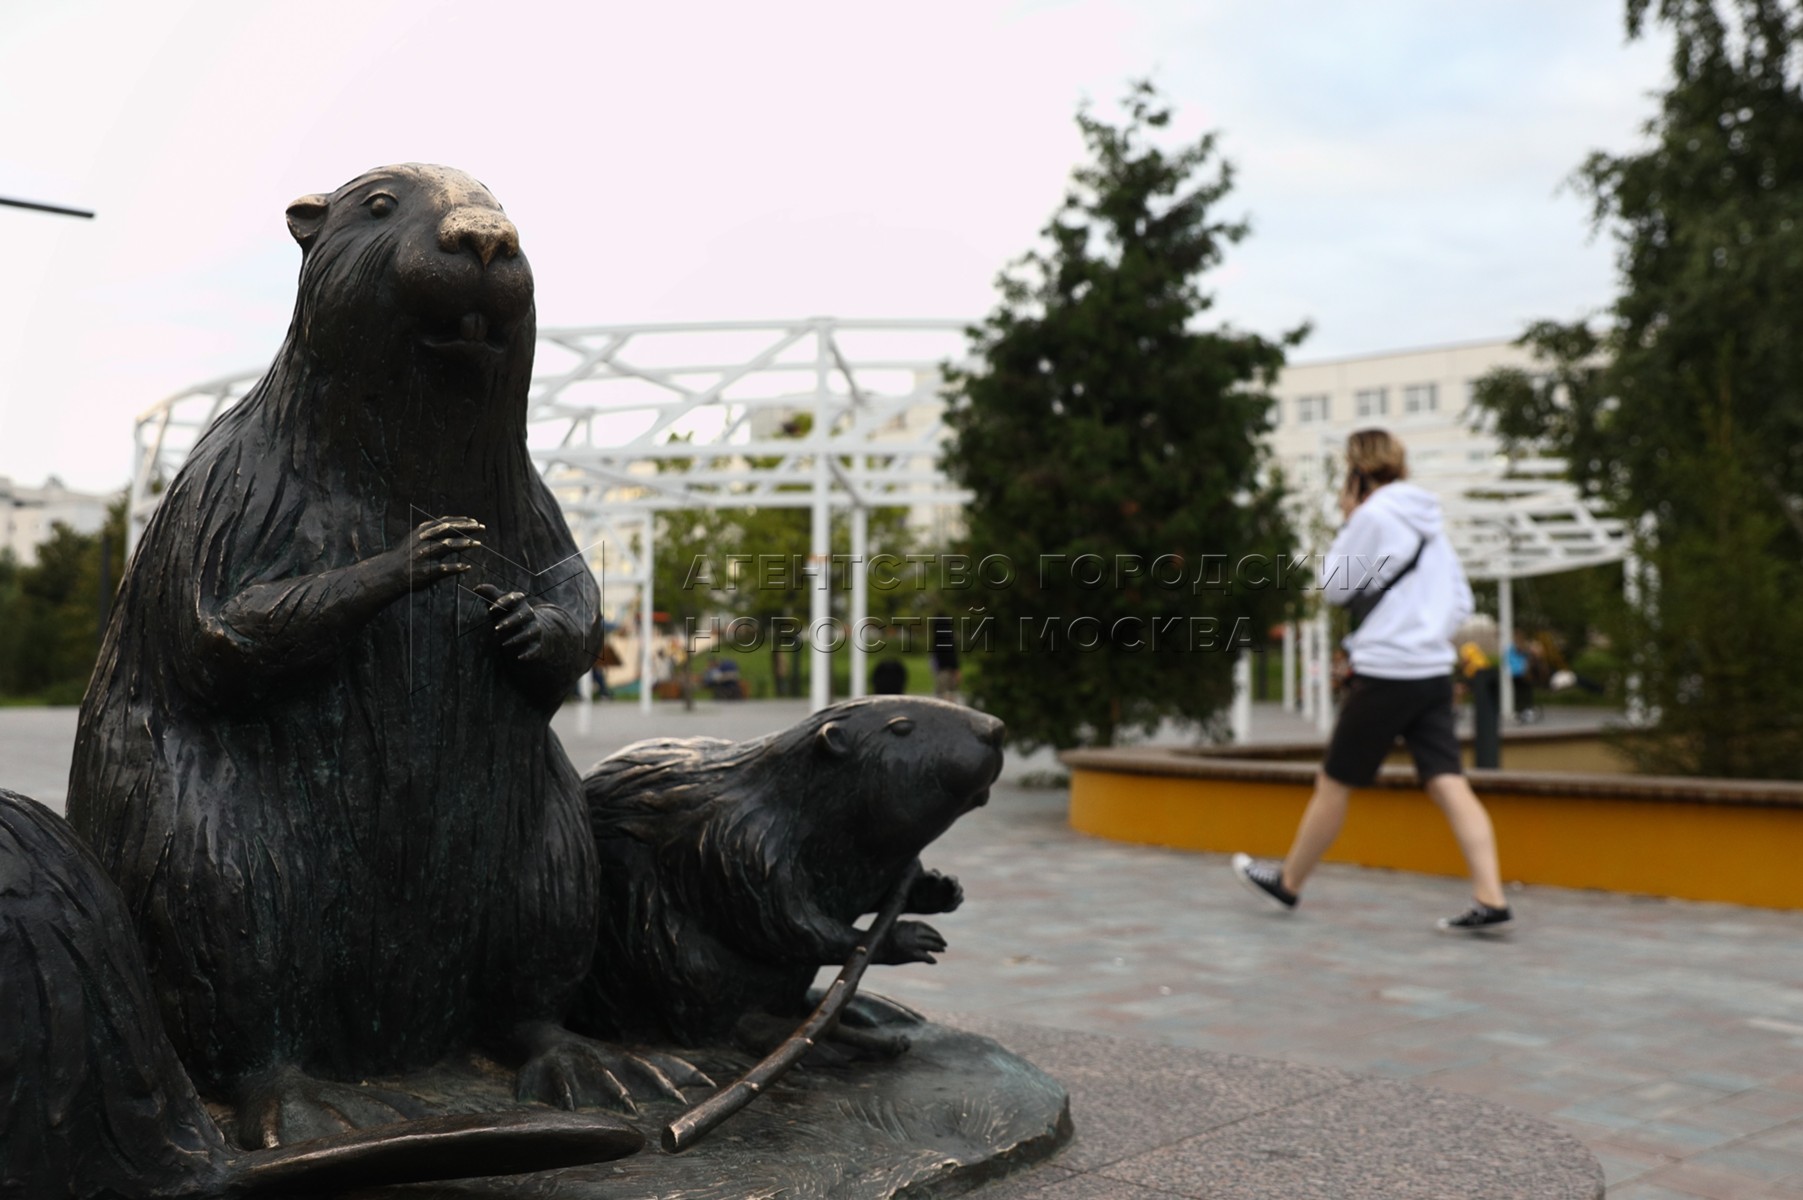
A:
835	415
625	420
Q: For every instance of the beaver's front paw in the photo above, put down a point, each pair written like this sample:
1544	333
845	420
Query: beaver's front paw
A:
567	1070
519	625
911	942
425	555
934	893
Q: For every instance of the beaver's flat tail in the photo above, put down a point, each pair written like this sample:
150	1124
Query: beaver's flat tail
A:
436	1148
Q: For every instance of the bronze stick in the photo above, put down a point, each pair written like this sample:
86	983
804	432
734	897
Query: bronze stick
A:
700	1120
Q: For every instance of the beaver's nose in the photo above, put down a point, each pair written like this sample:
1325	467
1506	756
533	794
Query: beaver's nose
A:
482	231
990	729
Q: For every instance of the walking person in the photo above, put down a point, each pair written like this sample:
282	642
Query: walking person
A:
1520	661
1393	569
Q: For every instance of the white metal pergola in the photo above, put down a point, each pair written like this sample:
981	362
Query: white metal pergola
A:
611	404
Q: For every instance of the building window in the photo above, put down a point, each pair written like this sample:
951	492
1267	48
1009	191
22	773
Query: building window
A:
1311	408
1372	402
1420	398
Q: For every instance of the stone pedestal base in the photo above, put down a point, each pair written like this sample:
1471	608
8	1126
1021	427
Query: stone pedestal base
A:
954	1111
1152	1122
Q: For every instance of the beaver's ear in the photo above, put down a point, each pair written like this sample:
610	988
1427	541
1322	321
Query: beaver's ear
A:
305	218
831	740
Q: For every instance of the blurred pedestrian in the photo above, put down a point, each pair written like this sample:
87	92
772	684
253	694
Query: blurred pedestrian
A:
943	654
889	677
604	661
722	678
1521	676
1393	569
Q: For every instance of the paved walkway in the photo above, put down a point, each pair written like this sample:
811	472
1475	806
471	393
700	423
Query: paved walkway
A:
1668	1036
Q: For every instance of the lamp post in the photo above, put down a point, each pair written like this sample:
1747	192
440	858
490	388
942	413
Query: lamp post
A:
38	206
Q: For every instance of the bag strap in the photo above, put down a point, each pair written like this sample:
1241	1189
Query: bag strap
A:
1371	595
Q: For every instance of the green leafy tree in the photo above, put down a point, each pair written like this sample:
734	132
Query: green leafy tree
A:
1687	408
750	562
1100	420
1563	408
683	589
1718	642
773	544
52	612
12	623
696	576
1710	224
766	585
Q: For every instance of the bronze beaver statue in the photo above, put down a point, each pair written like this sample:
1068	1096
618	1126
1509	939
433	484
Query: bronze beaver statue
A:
319	767
95	1105
731	872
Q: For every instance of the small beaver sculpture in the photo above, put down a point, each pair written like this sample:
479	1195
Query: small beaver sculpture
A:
96	1106
319	766
732	871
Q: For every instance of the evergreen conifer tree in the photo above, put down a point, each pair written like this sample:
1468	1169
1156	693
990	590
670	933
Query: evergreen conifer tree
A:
1115	450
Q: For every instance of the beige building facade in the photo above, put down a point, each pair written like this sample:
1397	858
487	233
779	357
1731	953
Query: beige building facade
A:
1423	396
28	515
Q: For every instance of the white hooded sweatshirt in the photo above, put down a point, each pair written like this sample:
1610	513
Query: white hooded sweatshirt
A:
1409	634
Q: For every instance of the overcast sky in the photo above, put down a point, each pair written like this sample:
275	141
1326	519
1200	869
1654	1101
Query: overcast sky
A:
1402	162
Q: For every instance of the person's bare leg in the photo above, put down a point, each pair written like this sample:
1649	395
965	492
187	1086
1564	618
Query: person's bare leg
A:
1321	822
1477	839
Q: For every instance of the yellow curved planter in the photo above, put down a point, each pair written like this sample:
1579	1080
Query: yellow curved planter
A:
1741	843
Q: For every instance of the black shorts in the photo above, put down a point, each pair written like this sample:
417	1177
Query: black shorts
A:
1377	712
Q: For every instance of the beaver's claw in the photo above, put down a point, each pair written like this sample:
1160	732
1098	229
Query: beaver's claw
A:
425	555
669	1074
517	623
909	942
570	1071
571	1077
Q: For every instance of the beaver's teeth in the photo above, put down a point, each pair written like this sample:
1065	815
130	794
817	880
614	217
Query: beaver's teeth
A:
474	328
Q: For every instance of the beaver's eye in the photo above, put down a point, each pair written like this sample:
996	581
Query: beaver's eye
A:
901	727
381	204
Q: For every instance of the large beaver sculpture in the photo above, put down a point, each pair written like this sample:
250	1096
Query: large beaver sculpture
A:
96	1107
731	872
318	765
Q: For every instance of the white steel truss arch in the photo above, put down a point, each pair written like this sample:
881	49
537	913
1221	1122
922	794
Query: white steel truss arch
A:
817	413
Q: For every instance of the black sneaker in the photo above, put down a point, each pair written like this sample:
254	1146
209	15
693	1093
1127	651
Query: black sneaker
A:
1264	878
1479	918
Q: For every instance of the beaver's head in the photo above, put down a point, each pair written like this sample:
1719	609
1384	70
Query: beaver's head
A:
411	259
907	766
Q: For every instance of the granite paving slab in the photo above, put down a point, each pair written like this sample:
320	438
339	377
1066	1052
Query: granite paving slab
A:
1155	1120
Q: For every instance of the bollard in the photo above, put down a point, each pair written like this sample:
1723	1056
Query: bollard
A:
1486	712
